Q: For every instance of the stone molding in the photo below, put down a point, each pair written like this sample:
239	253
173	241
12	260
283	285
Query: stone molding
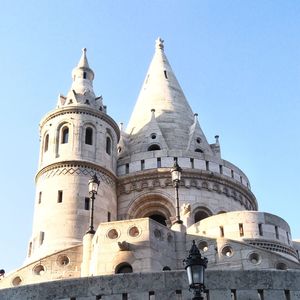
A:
211	181
79	168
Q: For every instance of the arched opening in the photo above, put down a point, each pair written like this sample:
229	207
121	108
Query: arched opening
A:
199	150
159	218
123	268
201	213
154	147
46	144
108	145
65	135
89	136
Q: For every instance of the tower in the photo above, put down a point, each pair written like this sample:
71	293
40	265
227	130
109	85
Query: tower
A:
78	139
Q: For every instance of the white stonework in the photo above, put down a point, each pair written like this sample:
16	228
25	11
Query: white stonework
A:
135	206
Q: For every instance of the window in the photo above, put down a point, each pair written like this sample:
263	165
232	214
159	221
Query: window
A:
84	75
126	168
232	174
65	135
42	237
154	147
46	145
287	294
207	165
200	215
241	179
59	196
87	203
108	216
30	249
276	232
233	295
124	296
260	294
166	75
221	231
151	295
159	162
260	229
288	237
192	163
108	145
89	136
40	197
241	229
142	164
221	169
198	150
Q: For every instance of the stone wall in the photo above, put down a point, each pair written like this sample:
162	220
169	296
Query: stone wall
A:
221	285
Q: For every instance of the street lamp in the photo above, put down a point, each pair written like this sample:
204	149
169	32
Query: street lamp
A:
176	176
195	266
93	189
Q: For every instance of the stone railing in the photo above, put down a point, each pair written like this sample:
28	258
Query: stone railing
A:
221	285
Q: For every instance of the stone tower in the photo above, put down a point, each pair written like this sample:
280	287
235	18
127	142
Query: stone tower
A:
78	139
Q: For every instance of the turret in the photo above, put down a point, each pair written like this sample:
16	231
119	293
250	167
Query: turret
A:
78	140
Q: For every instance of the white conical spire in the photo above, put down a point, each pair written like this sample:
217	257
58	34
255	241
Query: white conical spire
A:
81	91
162	92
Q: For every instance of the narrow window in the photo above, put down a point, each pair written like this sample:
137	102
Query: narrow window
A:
166	75
151	295
241	179
221	169
127	169
221	231
288	237
260	294
42	237
241	229
30	249
108	145
59	196
287	294
276	232
40	197
65	135
233	295
89	136
87	203
108	216
84	75
142	164
260	229
98	297
178	294
46	143
232	174
192	163
207	165
124	296
159	162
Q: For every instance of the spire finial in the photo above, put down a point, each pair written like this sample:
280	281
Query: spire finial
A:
83	62
159	44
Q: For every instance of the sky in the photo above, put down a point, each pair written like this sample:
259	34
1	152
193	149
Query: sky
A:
238	63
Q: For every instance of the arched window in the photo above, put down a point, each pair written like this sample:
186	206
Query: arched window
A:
108	145
89	136
159	218
46	144
154	147
198	150
124	268
65	135
202	213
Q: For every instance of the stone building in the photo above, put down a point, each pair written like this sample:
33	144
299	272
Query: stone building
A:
251	254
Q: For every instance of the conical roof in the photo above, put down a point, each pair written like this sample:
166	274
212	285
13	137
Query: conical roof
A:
161	91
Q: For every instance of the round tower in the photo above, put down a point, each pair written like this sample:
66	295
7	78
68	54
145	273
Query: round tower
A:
163	129
78	140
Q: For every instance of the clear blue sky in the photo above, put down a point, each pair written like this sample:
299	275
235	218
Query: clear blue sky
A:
238	63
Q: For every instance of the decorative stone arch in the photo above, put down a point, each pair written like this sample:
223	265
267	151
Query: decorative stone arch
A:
59	131
147	205
201	212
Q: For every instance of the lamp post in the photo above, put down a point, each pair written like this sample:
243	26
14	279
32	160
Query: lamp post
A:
176	176
195	266
93	189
